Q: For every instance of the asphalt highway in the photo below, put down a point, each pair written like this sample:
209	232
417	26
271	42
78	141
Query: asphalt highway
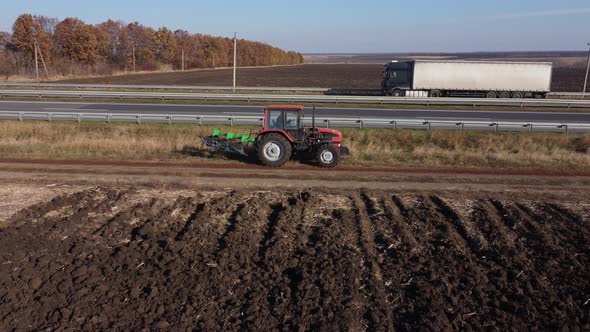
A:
452	115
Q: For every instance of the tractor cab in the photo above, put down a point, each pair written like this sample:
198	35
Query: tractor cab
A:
282	119
285	118
288	121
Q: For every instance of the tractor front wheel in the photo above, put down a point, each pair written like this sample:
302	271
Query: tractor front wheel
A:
327	156
274	150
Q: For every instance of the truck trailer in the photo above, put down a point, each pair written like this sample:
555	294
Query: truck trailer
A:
446	78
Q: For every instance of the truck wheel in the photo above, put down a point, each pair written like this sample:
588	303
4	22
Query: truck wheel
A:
396	93
274	150
327	156
518	95
504	95
435	94
491	95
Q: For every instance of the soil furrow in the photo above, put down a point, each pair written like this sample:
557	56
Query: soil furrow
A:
275	284
568	234
188	224
379	314
534	225
271	228
565	213
471	239
327	278
235	263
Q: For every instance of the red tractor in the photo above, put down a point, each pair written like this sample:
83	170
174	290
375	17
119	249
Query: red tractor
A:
284	137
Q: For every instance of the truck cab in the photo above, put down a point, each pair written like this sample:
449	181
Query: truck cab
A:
397	78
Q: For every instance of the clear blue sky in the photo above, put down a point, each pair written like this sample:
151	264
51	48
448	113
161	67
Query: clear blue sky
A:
327	26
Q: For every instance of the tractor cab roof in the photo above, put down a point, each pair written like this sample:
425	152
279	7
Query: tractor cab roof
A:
286	107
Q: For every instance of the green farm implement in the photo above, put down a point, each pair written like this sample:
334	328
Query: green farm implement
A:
228	142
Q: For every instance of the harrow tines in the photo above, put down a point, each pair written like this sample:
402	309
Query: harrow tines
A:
236	147
207	140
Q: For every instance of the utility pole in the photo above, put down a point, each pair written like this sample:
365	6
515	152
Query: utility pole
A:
43	62
134	57
235	59
182	60
36	62
587	69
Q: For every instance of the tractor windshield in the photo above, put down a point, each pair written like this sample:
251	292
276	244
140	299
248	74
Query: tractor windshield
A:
275	120
283	120
291	120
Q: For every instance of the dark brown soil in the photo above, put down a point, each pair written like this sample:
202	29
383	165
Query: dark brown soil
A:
351	76
109	258
569	79
321	76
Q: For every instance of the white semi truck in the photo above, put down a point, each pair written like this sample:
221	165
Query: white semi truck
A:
446	78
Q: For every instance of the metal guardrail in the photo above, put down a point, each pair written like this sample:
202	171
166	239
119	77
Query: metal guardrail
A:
210	88
343	122
159	87
569	94
273	98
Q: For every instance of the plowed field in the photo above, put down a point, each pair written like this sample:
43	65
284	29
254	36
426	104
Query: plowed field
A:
126	259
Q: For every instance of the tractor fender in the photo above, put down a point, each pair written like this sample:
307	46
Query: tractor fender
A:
336	135
281	132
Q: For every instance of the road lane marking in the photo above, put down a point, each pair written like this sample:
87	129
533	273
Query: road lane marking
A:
76	110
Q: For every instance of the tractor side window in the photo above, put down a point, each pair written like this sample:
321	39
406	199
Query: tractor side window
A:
275	120
291	120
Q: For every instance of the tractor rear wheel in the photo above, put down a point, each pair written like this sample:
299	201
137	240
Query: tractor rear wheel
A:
274	150
327	156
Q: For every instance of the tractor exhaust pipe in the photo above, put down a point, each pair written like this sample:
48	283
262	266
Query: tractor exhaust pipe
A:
313	118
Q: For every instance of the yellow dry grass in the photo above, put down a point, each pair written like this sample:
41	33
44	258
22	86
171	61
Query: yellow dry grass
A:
369	147
114	73
447	148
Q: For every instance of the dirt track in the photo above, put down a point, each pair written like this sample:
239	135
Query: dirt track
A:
127	257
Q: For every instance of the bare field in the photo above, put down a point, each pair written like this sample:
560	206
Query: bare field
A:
322	76
127	257
336	76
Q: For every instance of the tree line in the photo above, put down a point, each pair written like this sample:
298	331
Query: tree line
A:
70	47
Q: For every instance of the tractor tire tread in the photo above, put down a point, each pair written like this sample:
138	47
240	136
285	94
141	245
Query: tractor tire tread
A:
334	151
285	146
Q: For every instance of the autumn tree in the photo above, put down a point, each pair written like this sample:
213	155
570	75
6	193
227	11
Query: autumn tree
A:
65	44
137	43
26	33
165	45
76	41
211	53
47	24
193	47
108	34
4	40
5	62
